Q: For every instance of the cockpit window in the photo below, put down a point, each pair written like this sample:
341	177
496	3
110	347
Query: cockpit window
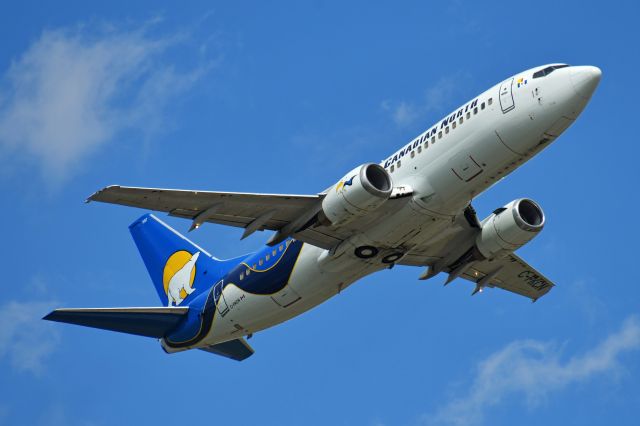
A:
548	70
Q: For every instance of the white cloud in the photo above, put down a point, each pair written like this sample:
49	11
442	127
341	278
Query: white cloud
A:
532	370
435	98
74	90
25	339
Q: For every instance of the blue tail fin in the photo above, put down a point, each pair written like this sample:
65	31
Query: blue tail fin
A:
179	269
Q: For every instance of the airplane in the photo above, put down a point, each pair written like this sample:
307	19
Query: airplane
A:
413	208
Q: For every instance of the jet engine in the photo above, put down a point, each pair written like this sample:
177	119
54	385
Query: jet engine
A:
509	228
359	192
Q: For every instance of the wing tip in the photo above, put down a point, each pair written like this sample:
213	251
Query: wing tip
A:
96	195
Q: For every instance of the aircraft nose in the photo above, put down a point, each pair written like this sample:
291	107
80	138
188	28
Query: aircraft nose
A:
585	79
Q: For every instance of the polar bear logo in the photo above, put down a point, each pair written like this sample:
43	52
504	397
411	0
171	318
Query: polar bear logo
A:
181	280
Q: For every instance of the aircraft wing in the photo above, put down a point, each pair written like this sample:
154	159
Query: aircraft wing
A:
290	214
510	273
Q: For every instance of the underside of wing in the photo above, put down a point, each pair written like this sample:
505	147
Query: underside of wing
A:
509	273
253	212
456	254
227	208
294	216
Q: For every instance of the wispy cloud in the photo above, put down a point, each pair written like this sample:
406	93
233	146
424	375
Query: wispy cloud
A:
75	89
402	113
532	370
436	97
26	340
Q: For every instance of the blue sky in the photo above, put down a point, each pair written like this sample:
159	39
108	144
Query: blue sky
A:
286	98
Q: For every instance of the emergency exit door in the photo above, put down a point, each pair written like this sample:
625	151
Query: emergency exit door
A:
464	166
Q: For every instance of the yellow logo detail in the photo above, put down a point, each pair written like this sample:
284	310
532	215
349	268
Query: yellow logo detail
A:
178	276
344	182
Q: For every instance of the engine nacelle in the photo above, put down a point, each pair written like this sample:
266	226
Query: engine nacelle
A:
509	228
359	192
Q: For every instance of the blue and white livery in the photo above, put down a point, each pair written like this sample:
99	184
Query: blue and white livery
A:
413	208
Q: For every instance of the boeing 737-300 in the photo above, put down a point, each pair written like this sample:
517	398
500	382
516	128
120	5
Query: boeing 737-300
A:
413	208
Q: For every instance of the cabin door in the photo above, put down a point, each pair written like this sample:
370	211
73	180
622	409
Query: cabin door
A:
223	308
506	96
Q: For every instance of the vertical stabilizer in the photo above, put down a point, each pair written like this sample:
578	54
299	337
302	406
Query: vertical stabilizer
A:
179	269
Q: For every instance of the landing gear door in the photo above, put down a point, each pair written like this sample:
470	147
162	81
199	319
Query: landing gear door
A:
506	96
223	308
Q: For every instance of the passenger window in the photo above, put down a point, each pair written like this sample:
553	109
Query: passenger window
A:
475	110
433	139
268	257
399	163
482	105
446	130
255	266
453	125
490	101
468	115
413	154
273	252
281	247
419	149
260	262
241	276
393	168
440	134
248	272
461	120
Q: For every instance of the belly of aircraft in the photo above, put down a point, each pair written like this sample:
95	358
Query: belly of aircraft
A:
245	313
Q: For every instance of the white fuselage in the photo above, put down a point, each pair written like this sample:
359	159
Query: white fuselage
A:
446	167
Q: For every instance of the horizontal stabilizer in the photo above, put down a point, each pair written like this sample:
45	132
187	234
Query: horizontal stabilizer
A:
237	349
149	322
